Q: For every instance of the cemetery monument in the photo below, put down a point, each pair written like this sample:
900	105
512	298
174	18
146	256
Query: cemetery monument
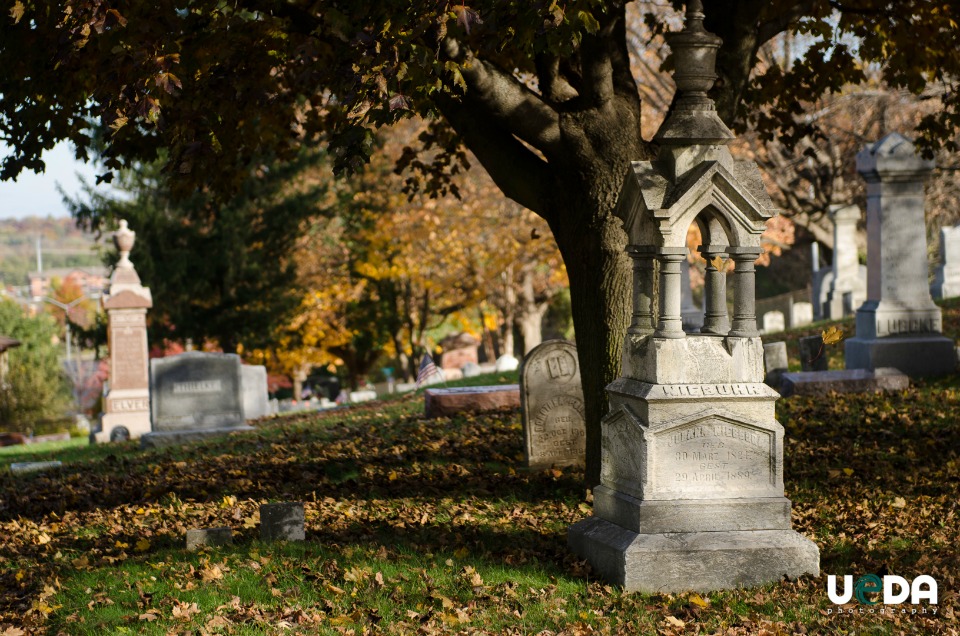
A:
846	287
899	325
692	456
126	405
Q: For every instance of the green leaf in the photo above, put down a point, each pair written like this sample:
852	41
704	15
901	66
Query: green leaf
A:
589	22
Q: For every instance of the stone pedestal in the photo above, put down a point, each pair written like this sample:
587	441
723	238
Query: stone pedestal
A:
691	494
126	406
899	325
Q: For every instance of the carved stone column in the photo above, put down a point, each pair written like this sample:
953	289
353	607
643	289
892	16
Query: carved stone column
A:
643	316
670	323
715	319
745	292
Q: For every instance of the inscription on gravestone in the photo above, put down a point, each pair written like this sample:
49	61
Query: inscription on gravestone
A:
196	390
553	418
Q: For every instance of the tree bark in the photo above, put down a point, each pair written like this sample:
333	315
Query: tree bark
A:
530	318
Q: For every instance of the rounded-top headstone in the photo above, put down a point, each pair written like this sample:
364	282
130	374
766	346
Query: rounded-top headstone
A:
554	425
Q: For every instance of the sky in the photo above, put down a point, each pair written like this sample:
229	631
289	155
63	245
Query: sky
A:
36	194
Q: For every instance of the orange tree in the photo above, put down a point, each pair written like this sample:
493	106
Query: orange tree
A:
540	91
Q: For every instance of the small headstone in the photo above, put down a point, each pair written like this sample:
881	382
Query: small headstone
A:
818	383
802	314
554	425
26	468
773	321
282	521
946	279
774	362
471	370
506	362
256	398
212	537
813	355
447	402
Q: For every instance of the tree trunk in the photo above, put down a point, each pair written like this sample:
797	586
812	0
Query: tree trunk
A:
530	318
601	296
509	313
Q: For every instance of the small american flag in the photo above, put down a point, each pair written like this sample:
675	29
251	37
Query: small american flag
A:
427	368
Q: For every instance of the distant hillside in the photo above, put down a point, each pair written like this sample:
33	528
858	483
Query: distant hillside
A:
61	244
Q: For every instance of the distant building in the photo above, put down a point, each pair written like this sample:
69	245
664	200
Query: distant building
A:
91	280
6	342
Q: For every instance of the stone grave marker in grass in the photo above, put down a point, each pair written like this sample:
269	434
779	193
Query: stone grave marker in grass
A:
554	427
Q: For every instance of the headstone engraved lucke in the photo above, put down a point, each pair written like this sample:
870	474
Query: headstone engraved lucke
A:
946	279
554	426
195	394
691	454
899	325
126	406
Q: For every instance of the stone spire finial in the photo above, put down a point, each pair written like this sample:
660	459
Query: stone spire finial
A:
694	119
124	238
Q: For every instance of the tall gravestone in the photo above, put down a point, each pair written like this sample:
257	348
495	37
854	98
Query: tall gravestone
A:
846	289
946	278
554	426
691	493
126	406
256	397
899	325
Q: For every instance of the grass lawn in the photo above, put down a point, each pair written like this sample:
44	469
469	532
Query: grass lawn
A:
419	526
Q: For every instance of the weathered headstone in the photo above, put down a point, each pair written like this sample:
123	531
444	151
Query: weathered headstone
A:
774	321
899	325
256	397
554	427
282	521
775	362
691	493
802	314
210	537
27	468
691	315
126	406
193	395
847	288
447	402
813	355
946	279
365	395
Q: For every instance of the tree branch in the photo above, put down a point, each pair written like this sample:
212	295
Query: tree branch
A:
517	171
511	104
553	86
783	20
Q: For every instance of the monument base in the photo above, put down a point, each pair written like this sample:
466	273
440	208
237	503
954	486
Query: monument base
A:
118	427
158	439
692	561
916	356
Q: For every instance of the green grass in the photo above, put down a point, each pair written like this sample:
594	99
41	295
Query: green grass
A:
431	527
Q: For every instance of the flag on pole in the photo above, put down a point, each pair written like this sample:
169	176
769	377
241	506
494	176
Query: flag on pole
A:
427	368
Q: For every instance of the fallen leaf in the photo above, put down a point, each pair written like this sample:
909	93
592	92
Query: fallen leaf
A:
674	621
832	335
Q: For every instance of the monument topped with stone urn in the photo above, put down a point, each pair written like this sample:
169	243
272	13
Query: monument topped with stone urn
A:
691	493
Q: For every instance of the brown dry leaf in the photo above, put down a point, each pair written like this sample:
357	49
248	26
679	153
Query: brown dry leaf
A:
150	615
674	621
832	335
717	262
184	611
211	573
